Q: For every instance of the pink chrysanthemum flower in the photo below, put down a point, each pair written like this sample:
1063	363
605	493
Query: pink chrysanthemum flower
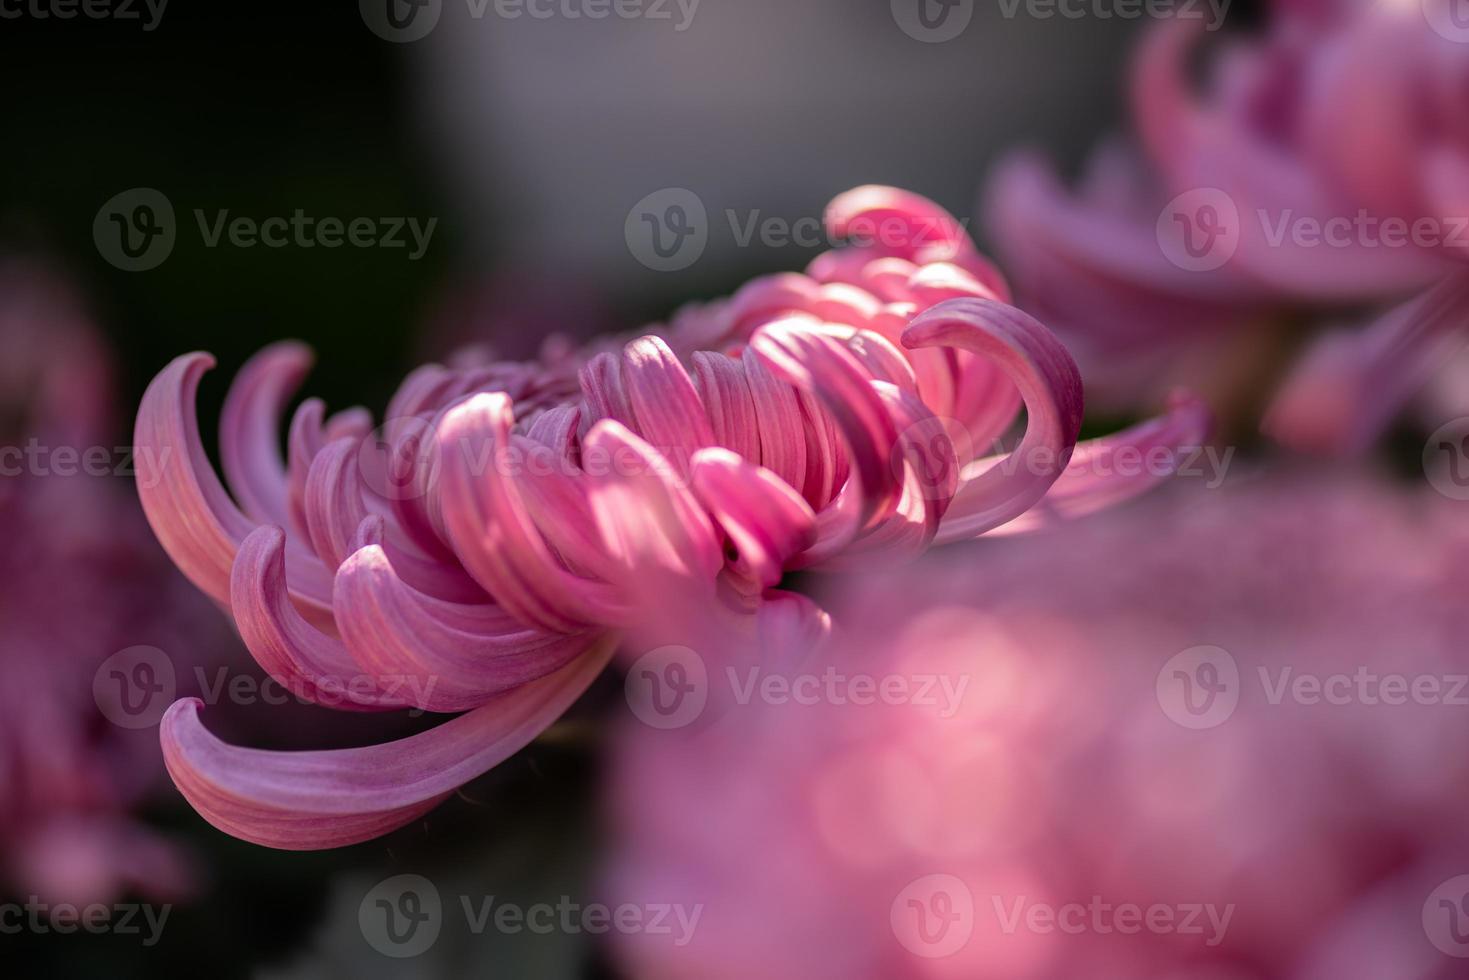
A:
483	549
1247	726
82	580
1324	167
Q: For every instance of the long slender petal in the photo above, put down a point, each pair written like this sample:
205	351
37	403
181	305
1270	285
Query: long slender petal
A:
316	800
455	656
300	657
493	533
250	429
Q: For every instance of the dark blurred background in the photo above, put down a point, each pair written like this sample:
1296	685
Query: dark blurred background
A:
528	141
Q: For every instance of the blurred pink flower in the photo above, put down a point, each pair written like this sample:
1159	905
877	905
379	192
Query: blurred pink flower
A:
1207	727
482	550
82	580
1325	166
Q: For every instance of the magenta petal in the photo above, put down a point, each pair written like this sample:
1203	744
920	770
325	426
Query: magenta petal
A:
249	429
767	522
889	222
669	413
315	800
649	521
332	503
1109	471
1049	384
303	659
452	656
195	520
492	531
814	362
725	394
782	440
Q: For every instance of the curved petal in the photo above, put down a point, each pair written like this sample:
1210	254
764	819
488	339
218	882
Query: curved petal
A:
664	401
817	364
315	800
1049	384
456	656
250	429
492	531
765	519
332	504
301	658
778	420
195	520
648	519
720	382
889	222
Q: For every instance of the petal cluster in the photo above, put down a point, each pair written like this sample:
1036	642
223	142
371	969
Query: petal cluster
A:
490	538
